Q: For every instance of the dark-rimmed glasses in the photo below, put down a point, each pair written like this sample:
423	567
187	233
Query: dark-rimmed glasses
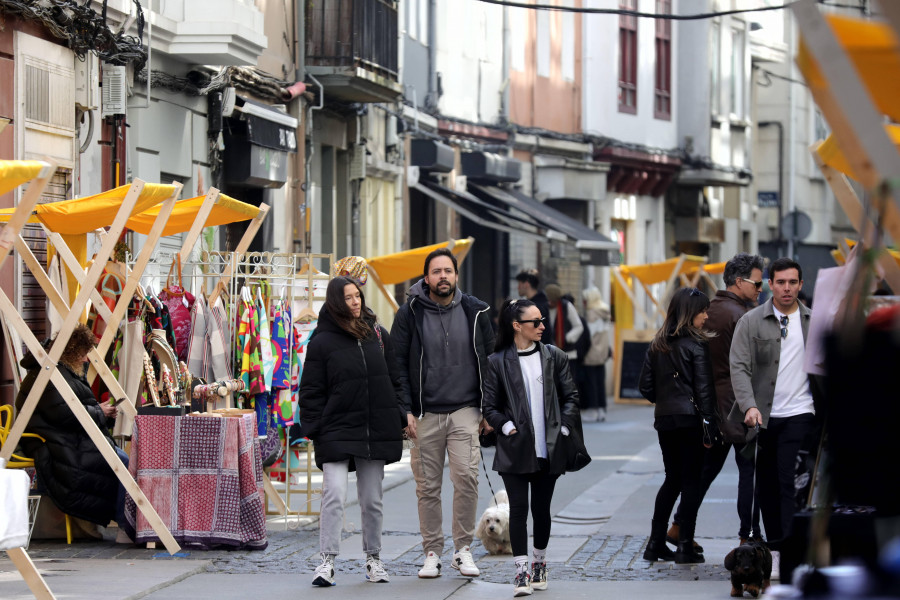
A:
758	284
535	322
784	326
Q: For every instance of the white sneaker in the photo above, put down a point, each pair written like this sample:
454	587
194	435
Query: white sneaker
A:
324	576
463	561
375	571
522	585
432	566
601	415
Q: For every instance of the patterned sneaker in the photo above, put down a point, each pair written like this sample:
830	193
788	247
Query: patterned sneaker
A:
375	571
539	575
463	561
432	566
523	584
325	572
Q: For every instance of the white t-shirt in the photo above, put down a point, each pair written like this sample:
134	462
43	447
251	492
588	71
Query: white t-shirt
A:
792	396
533	374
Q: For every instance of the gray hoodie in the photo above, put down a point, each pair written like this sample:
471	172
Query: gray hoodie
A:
450	378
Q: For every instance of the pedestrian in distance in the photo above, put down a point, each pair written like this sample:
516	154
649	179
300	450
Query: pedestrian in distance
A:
743	281
443	338
593	365
351	410
677	378
531	400
565	321
529	283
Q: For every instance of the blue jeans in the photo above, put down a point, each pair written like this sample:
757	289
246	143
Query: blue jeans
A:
120	497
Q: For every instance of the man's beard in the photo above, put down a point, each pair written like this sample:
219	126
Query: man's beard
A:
449	292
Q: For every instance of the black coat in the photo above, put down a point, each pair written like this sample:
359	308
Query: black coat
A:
407	334
77	477
350	396
680	381
505	399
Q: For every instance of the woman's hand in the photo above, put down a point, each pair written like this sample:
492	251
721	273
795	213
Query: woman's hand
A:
109	410
512	432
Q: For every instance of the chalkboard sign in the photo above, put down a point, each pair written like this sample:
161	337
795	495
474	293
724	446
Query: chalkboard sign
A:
631	348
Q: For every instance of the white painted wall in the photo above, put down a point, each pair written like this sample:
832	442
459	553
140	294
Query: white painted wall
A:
470	59
601	79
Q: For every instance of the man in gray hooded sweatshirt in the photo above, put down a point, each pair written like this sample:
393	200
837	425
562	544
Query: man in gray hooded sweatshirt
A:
442	338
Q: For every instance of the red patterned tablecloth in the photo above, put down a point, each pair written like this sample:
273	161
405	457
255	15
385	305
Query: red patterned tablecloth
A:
204	477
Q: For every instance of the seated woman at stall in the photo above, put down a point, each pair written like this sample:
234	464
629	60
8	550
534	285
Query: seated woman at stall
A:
70	468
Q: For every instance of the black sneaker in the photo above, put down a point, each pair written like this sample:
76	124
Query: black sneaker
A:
522	585
539	576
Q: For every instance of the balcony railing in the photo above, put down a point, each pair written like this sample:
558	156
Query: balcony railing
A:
353	33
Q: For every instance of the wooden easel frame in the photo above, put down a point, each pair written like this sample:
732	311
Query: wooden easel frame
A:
49	361
8	235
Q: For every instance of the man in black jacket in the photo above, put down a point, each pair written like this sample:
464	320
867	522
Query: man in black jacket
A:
442	339
528	284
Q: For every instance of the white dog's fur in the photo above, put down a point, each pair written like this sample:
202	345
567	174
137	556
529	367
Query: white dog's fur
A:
493	527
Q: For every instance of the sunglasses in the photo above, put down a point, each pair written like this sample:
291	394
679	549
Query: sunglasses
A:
696	292
784	325
758	284
535	322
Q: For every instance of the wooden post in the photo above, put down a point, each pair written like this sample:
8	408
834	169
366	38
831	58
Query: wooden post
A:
373	274
30	574
242	246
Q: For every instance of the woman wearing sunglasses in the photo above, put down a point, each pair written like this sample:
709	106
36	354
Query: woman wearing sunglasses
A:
677	378
530	398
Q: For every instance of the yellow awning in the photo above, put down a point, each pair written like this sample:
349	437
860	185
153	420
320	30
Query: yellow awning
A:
712	268
875	52
840	259
403	266
662	271
83	215
226	210
14	173
831	154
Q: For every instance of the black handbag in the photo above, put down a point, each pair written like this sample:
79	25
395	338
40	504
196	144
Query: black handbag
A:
577	456
488	440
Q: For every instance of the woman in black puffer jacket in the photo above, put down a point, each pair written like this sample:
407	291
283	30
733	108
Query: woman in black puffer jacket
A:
350	407
69	466
677	378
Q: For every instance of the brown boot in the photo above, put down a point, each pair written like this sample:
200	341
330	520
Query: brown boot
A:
672	538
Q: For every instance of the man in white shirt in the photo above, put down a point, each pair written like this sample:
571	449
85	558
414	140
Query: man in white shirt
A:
772	390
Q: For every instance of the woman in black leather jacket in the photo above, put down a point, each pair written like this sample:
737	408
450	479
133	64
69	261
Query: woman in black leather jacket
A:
530	399
677	378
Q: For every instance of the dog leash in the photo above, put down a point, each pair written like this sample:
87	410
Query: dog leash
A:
486	476
753	529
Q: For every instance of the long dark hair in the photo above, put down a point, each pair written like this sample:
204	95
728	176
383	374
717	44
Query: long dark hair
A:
686	304
339	311
510	311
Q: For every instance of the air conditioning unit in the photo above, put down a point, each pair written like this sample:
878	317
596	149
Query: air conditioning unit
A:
115	95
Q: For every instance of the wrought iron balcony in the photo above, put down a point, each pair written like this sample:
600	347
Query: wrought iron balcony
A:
351	47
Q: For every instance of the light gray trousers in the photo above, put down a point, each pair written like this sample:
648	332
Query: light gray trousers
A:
369	490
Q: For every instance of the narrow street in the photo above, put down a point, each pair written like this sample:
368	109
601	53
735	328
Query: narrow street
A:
601	522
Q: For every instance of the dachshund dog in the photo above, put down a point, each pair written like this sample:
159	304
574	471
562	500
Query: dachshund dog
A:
493	527
751	568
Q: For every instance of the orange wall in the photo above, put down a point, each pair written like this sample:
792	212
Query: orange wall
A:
550	103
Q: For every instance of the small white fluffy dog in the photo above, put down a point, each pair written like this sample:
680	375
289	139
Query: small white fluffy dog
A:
493	527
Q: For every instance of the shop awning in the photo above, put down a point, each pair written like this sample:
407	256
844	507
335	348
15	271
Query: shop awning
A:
14	173
83	215
403	266
583	236
480	212
226	210
875	53
663	271
830	152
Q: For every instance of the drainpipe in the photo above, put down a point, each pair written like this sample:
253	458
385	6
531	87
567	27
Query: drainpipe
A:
780	126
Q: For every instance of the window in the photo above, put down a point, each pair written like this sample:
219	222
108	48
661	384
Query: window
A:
714	69
542	47
518	26
628	59
737	73
417	20
662	93
568	42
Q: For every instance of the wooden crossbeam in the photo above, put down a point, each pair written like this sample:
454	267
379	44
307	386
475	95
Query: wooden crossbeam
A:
23	210
242	246
30	574
628	292
199	223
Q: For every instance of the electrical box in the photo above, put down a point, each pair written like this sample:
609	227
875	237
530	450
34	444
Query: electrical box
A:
87	80
114	91
358	162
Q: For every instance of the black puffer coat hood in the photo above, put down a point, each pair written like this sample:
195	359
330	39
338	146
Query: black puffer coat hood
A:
350	396
77	477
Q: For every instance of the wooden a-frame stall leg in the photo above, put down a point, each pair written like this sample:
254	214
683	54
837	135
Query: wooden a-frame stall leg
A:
50	373
8	235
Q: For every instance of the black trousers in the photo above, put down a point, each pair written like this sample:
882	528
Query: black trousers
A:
779	445
542	485
748	510
682	451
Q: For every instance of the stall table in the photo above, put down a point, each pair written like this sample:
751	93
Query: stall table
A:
204	477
